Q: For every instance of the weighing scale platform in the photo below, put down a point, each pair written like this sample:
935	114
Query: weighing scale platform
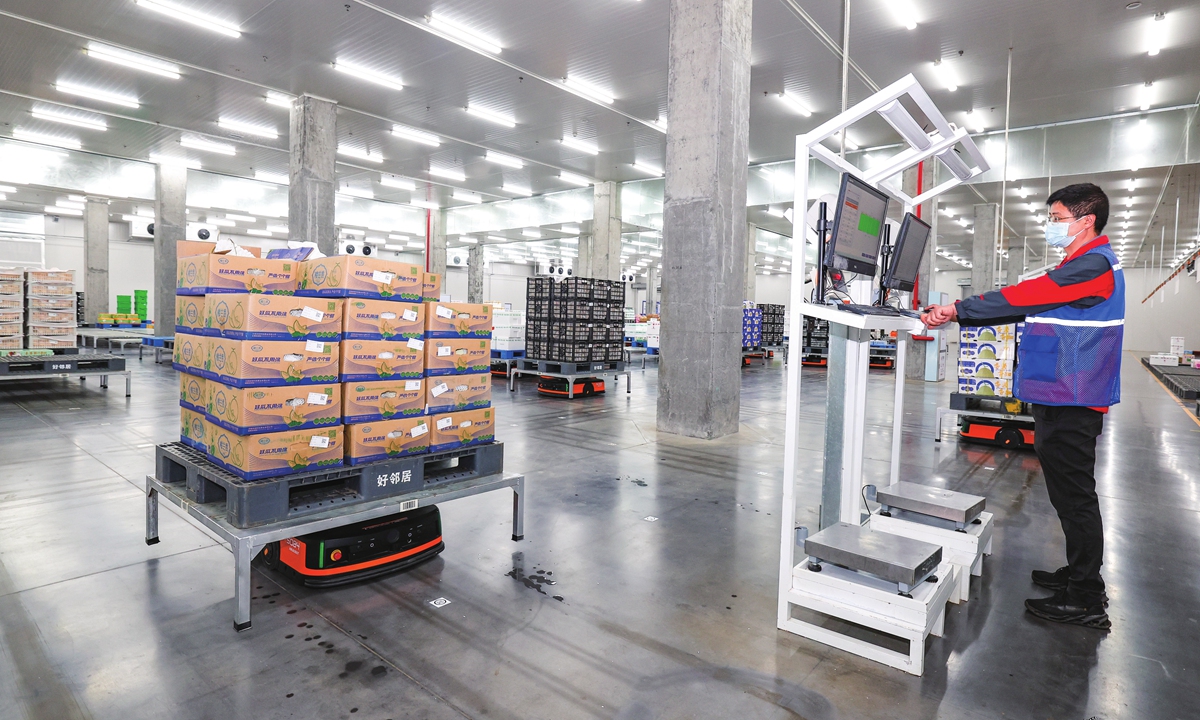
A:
956	507
901	560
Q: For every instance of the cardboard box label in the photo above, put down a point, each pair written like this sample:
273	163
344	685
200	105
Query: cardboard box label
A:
311	313
382	400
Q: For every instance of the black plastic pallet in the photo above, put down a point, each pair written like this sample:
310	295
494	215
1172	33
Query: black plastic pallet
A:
983	403
256	502
1186	387
41	364
570	368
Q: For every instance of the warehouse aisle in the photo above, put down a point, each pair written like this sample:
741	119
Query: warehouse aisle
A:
645	587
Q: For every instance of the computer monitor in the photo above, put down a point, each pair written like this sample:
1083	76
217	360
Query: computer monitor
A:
857	227
909	247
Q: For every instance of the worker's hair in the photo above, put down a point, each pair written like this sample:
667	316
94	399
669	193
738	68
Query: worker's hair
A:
1083	199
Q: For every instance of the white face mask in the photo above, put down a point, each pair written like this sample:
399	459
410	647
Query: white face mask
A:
1057	233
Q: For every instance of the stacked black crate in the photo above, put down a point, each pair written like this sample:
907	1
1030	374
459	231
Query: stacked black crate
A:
537	317
816	339
772	323
575	320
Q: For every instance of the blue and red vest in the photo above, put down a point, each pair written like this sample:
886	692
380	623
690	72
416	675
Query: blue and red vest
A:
1072	355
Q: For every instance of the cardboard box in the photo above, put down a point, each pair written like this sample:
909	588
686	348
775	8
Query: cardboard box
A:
375	400
988	350
987	333
190	354
12	342
194	430
991	387
451	320
985	369
189	314
50	303
50	290
365	360
1164	359
271	454
457	356
383	320
431	287
41	341
458	392
254	410
1177	346
193	392
185	248
362	277
508	345
387	439
203	274
51	276
243	316
462	429
270	363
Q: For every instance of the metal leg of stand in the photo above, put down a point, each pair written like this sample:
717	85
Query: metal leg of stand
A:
512	380
152	517
519	510
243	553
128	383
570	387
628	383
104	381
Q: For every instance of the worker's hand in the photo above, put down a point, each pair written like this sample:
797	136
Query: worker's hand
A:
938	315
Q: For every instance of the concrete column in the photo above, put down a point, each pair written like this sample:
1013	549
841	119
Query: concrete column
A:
605	251
1013	266
652	274
704	217
170	226
475	274
312	179
435	258
751	275
987	228
583	262
95	250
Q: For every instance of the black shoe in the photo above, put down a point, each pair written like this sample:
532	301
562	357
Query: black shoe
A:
1062	608
1057	580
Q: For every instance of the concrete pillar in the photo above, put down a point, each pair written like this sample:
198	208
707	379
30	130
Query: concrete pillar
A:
170	227
751	274
312	179
435	257
704	217
652	274
95	250
583	262
1014	264
983	247
605	251
475	274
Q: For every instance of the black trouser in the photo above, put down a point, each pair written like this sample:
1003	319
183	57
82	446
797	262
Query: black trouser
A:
1065	440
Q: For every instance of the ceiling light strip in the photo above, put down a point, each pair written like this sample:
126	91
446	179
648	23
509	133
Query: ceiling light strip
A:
187	15
137	61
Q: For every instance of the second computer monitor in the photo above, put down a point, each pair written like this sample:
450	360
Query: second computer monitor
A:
857	227
909	248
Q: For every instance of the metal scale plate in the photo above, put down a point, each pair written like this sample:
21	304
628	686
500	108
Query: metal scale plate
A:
893	558
959	508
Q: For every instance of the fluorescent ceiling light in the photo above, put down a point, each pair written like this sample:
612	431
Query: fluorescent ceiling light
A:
532	233
221	223
1155	31
135	218
397	182
490	116
357	192
581	145
469	240
661	124
945	75
1024	193
505	160
189	141
1128	202
467	196
648	169
905	13
424	204
902	122
354	231
55	210
175	160
395	236
586	88
102	95
415	135
574	179
240	218
497	238
68	205
279	99
572	229
358	154
259	233
91	123
277	178
794	103
448	173
248	128
362	73
964	222
137	61
459	32
7	189
517	190
187	15
35	137
1146	95
277	228
975	119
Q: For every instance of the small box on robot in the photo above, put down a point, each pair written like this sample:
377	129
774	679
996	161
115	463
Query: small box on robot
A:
985	369
988	333
990	387
987	350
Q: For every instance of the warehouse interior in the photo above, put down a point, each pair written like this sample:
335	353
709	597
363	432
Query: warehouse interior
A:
524	290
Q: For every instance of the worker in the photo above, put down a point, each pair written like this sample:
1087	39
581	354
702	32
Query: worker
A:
1068	369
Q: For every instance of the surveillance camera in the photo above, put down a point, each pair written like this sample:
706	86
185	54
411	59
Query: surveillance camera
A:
366	250
349	249
203	234
150	228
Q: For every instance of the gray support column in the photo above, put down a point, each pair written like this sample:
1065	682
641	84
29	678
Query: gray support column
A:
95	250
312	179
583	263
751	274
652	274
475	274
605	250
1014	265
704	217
170	226
983	247
436	259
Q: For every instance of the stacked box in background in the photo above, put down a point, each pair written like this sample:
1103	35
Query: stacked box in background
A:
772	323
653	333
986	359
752	327
141	304
508	330
12	308
575	320
50	318
124	305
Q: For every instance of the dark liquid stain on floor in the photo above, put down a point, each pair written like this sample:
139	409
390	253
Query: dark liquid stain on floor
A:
535	581
379	671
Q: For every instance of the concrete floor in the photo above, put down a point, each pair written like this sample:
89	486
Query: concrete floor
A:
666	619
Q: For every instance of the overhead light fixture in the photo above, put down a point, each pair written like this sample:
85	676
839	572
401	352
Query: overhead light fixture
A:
92	93
1128	202
964	222
1155	32
362	193
362	73
278	228
469	240
661	123
467	196
497	238
580	145
424	204
259	233
240	218
359	154
463	34
247	128
397	182
188	15
419	136
196	143
448	173
69	205
220	223
137	61
42	139
397	236
905	13
490	116
1023	192
279	99
7	189
1146	95
505	160
945	75
571	229
586	88
91	123
277	178
532	233
517	190
648	169
574	179
794	103
1132	184
55	210
902	122
954	163
975	120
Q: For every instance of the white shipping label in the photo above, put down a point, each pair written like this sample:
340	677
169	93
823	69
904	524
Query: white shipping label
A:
312	314
444	312
444	423
318	399
443	351
416	344
410	315
380	276
419	430
439	389
319	441
314	346
412	384
465	424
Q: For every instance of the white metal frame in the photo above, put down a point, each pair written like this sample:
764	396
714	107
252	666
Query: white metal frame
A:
944	137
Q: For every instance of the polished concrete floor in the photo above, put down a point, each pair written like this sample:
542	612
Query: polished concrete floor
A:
667	619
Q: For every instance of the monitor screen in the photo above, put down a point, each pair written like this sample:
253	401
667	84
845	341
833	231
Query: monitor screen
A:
907	254
857	227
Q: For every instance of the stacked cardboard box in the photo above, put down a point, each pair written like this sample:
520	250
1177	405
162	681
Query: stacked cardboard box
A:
772	323
508	330
458	379
653	333
12	308
574	320
986	359
50	319
752	327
